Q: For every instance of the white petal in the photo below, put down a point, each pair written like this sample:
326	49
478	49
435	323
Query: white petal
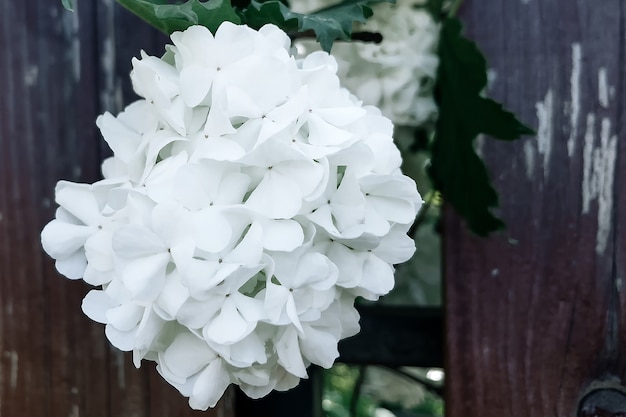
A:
322	133
144	277
246	352
95	277
210	386
124	341
315	270
319	346
252	376
95	305
196	314
79	200
396	247
160	183
377	276
250	249
122	140
218	123
134	241
349	264
218	148
282	235
308	175
187	355
60	239
251	309
276	297
125	317
289	355
239	103
150	326
202	275
393	209
341	116
195	83
190	187
172	297
98	250
229	326
72	266
323	217
276	197
233	188
212	230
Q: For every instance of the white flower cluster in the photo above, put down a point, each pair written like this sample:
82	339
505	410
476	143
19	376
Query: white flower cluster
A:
249	201
398	74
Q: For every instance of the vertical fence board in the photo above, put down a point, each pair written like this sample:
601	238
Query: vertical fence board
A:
59	71
536	314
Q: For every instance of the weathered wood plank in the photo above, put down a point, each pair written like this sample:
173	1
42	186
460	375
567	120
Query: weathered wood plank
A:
59	71
46	112
535	314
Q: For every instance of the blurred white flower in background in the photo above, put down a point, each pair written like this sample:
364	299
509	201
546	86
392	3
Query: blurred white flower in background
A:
249	200
396	75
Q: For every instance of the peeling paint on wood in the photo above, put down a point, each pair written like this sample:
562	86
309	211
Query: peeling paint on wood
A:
598	176
545	131
589	187
604	170
574	97
603	88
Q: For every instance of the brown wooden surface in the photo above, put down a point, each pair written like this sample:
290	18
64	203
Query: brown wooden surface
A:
536	314
58	71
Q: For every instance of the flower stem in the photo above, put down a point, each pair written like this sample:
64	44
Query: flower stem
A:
356	392
454	8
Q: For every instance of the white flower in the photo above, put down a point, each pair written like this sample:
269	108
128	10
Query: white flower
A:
249	200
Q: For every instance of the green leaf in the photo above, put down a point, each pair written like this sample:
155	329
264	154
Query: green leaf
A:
328	24
456	170
169	18
258	14
68	4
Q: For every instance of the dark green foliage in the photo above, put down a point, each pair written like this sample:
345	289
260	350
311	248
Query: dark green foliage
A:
328	24
456	170
169	18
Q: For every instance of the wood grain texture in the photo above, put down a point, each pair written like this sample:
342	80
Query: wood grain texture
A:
536	314
59	71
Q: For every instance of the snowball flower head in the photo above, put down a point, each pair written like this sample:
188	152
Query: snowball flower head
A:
249	200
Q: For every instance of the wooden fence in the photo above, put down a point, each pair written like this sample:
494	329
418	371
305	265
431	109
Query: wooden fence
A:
534	316
59	71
